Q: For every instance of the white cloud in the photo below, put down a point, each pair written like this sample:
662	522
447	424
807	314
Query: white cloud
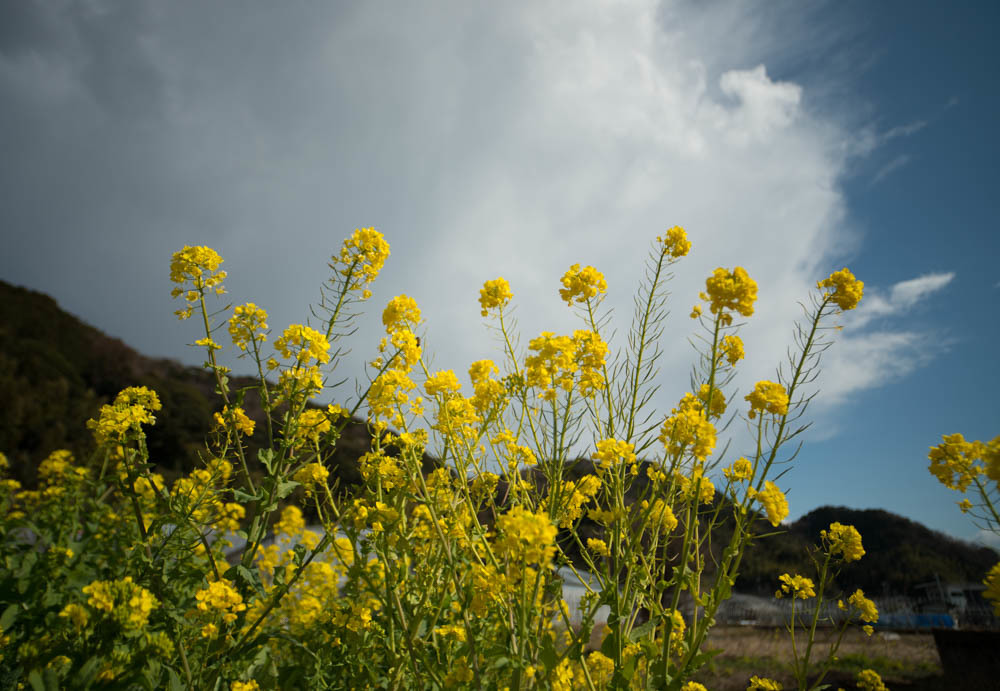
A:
988	538
900	298
890	167
866	358
907	130
488	139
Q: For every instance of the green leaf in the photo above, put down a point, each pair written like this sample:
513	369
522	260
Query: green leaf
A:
8	617
547	653
250	577
642	631
35	679
266	457
240	495
285	488
173	680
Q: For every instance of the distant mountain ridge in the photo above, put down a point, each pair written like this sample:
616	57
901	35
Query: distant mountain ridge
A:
56	372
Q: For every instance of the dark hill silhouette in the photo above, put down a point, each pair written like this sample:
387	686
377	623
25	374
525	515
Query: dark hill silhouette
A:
56	372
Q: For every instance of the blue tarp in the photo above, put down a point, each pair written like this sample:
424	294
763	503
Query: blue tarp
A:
916	621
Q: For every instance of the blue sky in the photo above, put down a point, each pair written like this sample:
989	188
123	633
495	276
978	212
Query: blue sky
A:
516	139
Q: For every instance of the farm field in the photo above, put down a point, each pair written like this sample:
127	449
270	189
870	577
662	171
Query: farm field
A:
905	660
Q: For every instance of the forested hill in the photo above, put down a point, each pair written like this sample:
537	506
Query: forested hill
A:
56	372
899	553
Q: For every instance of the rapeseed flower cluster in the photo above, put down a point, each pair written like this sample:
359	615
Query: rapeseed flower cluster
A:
125	601
442	383
580	285
612	453
992	592
361	259
797	586
311	475
195	270
773	500
844	540
847	290
248	325
235	418
527	536
561	361
731	349
867	610
488	392
303	344
688	430
675	242
494	294
767	396
869	680
740	469
730	291
222	598
402	312
132	407
956	463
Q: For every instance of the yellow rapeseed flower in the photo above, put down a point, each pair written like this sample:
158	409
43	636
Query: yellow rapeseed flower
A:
236	417
797	586
693	686
730	291
774	502
718	405
580	285
741	469
992	592
222	597
688	429
444	382
612	453
954	461
76	614
847	290
869	680
598	547
767	396
302	344
195	270
132	407
661	517
487	391
527	535
494	294
675	242
361	259
247	325
763	684
401	312
126	602
844	540
310	475
867	608
731	348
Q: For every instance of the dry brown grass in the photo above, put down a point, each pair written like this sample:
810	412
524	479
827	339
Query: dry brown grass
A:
905	660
